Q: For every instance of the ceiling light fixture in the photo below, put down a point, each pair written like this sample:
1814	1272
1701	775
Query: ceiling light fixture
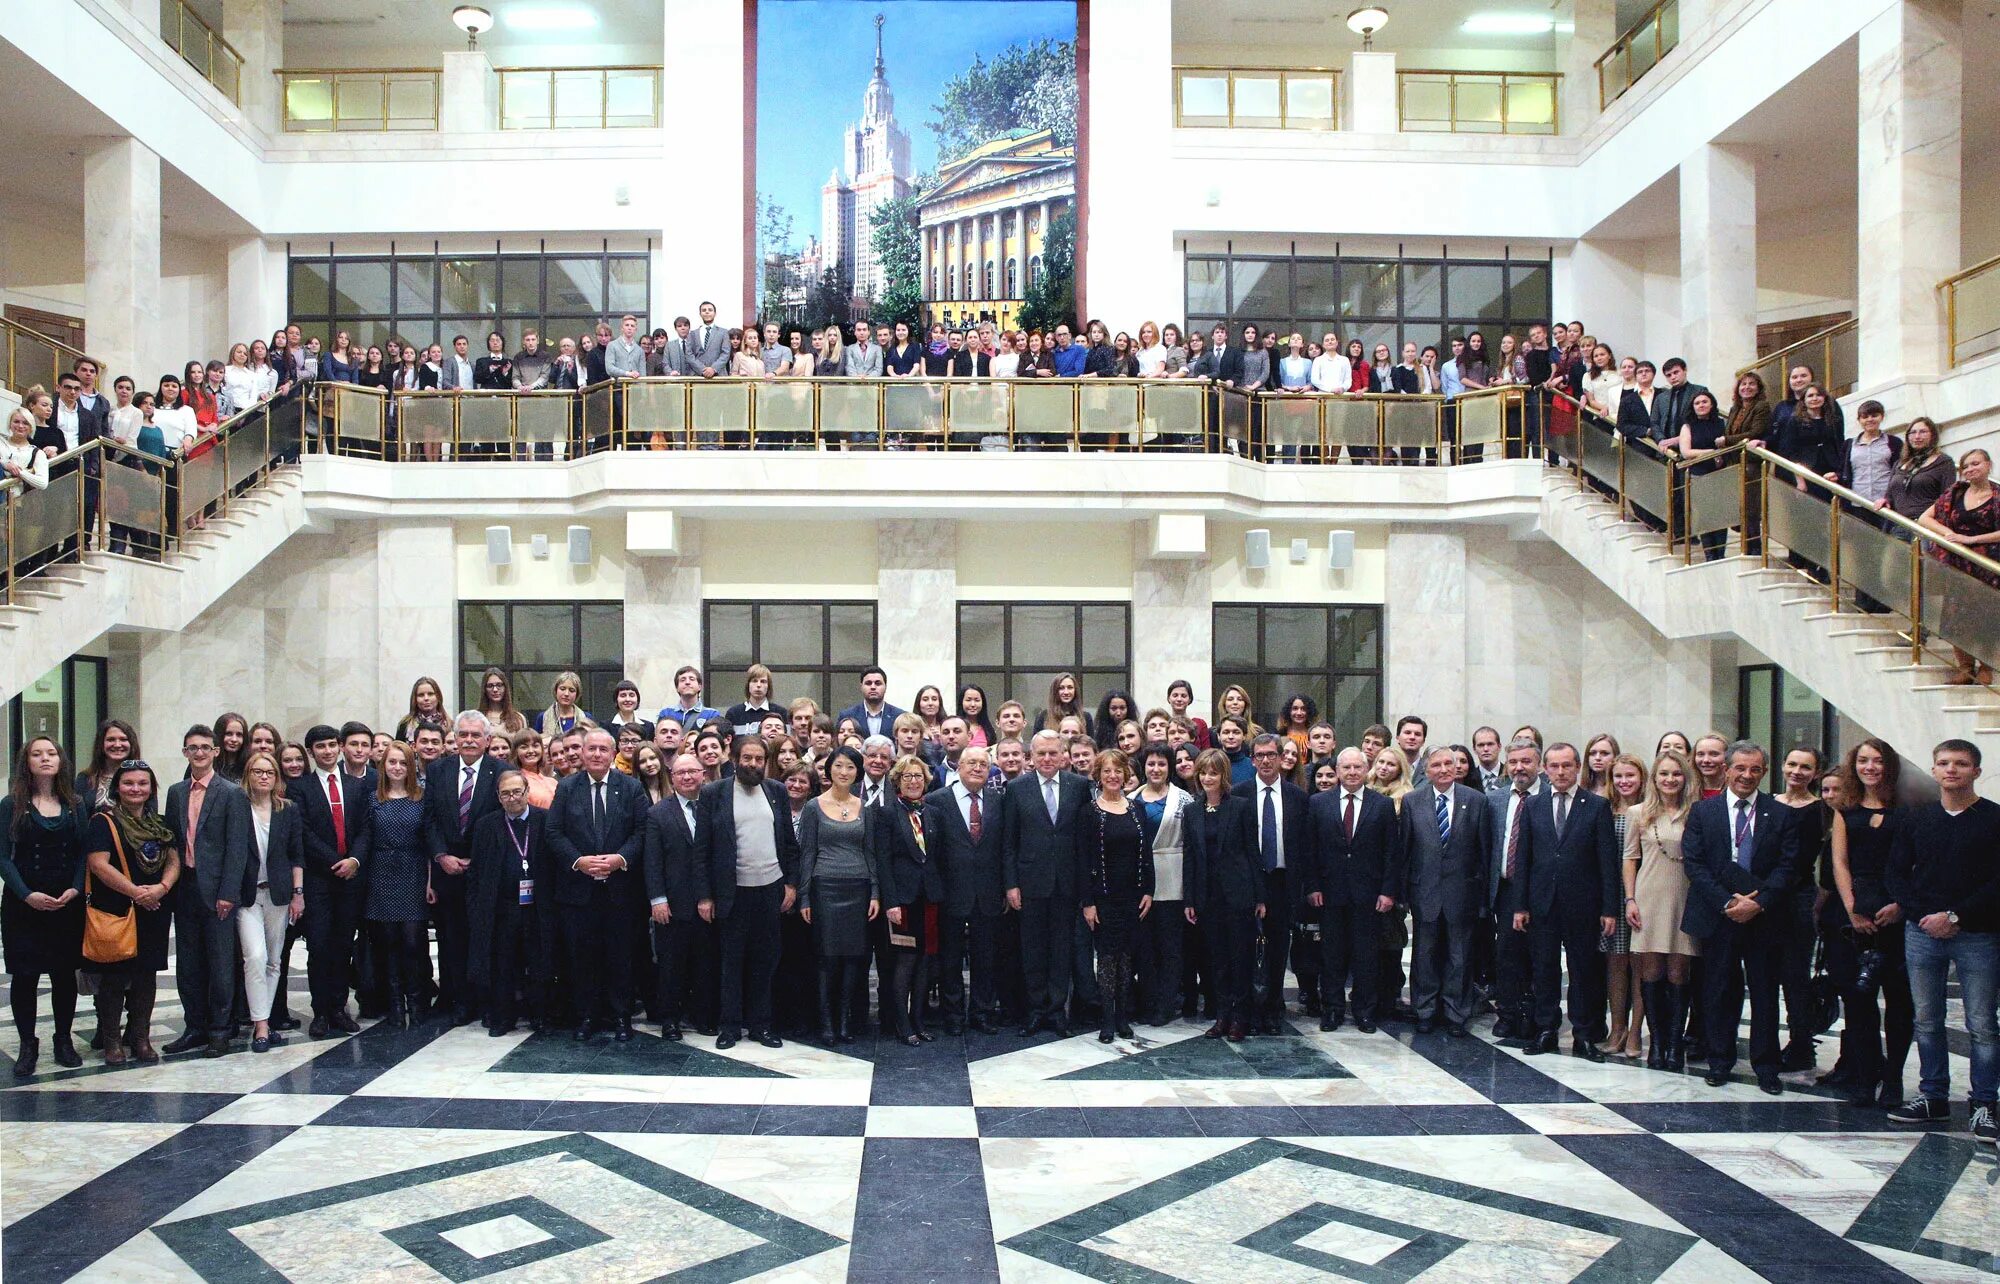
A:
472	20
1366	21
1508	24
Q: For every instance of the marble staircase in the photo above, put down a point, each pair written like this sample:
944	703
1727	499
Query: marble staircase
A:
1859	662
58	613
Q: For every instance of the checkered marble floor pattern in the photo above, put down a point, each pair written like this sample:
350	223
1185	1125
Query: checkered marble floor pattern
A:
441	1153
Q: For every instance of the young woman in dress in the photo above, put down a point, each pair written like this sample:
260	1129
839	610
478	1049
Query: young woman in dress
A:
1656	892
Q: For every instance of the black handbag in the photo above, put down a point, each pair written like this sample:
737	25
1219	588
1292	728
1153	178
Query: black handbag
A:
1823	1001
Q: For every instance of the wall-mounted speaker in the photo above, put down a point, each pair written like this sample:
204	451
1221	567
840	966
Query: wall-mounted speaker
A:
538	546
579	546
1257	549
499	545
1299	552
1340	550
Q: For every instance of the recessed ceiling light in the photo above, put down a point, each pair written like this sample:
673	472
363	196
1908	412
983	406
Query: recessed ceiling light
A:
1508	24
548	17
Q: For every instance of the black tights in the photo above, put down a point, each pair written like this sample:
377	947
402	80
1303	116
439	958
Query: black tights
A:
1114	988
843	994
26	987
403	950
909	979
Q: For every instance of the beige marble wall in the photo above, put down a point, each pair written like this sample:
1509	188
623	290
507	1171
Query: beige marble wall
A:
1173	623
121	256
1718	262
1425	622
663	617
916	620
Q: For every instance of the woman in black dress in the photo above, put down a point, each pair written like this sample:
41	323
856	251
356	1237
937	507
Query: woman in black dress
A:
1864	931
1117	864
41	910
134	862
393	851
1225	885
911	885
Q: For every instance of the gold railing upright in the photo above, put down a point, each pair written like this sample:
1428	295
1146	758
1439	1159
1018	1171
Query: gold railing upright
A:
1972	312
203	47
336	100
1256	97
34	358
1478	102
1833	355
1638	51
580	97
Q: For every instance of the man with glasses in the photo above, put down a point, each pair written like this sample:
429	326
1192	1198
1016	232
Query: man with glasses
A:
1284	847
210	817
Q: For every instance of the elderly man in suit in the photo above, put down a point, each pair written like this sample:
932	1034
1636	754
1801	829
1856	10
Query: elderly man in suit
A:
596	832
1575	889
1741	852
748	883
1508	842
459	792
210	816
1353	838
708	346
683	943
1284	844
964	828
512	932
1039	814
1441	874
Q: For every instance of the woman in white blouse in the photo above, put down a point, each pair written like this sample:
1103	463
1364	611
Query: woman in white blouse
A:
1161	806
272	895
1006	362
19	460
239	382
1603	387
1152	355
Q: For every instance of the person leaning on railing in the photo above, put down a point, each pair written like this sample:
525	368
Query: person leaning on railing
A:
1968	515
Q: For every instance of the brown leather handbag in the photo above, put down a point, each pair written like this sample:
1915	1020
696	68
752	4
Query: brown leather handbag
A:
108	937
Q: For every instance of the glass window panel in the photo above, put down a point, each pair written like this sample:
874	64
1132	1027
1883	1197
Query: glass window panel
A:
602	630
631	284
1043	635
1367	289
629	99
1316	290
1204	99
1031	688
1527	292
1256	100
544	633
365	333
1260	290
1477	291
1279	688
791	633
579	99
598	687
576	285
1380	332
1236	637
1423	334
534	690
728	633
1531	106
788	685
1356	705
526	99
1759	716
1357	638
1207	287
1423	290
852	627
1309	102
1426	104
982	634
361	286
843	687
416	286
358	102
312	289
1478	107
1104	636
521	286
1295	637
470	287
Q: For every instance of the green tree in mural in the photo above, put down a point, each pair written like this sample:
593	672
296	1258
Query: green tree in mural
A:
831	300
774	240
1024	87
1051	299
899	251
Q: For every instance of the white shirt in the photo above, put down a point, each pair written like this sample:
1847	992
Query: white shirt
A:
1514	800
1153	361
1276	794
964	796
1005	365
239	390
177	424
1332	372
66	420
1749	808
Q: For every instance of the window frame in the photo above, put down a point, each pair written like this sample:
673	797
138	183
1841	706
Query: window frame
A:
1263	702
1092	680
609	674
825	670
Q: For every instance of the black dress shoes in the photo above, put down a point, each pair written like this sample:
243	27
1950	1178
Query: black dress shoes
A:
1425	1025
284	1023
621	1032
1333	1019
1770	1084
1797	1056
344	1023
186	1043
318	1029
1455	1029
499	1029
768	1039
584	1031
1029	1029
1586	1049
1364	1025
214	1048
1715	1078
724	1042
671	1032
1542	1043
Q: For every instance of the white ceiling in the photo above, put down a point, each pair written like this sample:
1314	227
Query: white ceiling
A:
380	32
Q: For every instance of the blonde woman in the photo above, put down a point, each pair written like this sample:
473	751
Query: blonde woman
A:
748	363
1389	774
1656	893
531	756
1625	789
1234	700
564	715
273	895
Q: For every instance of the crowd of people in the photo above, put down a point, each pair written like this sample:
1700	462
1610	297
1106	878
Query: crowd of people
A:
741	873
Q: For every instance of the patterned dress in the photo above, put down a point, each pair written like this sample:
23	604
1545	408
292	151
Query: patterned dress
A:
398	866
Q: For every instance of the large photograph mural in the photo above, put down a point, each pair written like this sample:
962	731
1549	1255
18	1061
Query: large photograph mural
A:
916	161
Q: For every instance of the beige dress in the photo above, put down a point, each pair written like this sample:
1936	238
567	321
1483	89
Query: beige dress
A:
1661	888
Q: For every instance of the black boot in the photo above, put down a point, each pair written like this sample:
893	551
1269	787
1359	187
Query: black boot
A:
828	1034
1676	1020
65	1051
29	1057
854	1000
1656	1028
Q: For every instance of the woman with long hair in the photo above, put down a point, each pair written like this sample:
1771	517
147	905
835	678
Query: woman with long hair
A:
1968	515
650	769
531	756
232	745
426	706
1116	707
1795	914
1065	701
1389	774
496	701
1162	809
116	741
840	894
134	862
1710	758
273	895
1295	720
398	861
41	906
1862	922
929	705
978	726
1625	789
1656	892
1597	757
1234	701
564	714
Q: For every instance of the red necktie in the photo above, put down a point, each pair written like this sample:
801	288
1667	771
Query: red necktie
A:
339	813
976	825
465	799
1347	817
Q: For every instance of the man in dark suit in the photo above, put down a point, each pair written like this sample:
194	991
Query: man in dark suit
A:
875	714
1352	835
210	817
1508	840
683	941
512	936
1672	403
1284	842
335	804
459	792
596	832
1039	813
748	883
1741	852
963	823
1442	876
1575	888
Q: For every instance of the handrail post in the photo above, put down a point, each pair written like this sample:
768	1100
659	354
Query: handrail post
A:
1833	554
1916	602
1763	474
1623	447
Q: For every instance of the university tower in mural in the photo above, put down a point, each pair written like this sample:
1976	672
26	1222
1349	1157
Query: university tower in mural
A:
874	169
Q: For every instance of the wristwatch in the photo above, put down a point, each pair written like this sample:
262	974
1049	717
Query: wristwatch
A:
1951	917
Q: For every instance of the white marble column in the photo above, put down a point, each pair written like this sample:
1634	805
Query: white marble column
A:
1718	263
1372	80
1425	627
256	29
1594	26
121	259
1912	81
663	616
468	93
916	611
417	608
703	243
256	290
1173	623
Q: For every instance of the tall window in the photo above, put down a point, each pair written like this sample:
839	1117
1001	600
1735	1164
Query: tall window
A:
1034	270
1330	654
968	280
429	298
534	641
815	649
1011	278
1377	301
1014	650
989	280
1778	711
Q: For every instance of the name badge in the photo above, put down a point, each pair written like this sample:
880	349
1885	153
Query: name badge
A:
527	891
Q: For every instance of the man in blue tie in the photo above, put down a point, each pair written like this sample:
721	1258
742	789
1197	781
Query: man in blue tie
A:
1284	845
1741	852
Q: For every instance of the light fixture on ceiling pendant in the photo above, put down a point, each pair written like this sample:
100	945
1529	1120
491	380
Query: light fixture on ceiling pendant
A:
1366	21
472	20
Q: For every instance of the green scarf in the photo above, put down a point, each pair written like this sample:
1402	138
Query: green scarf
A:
146	839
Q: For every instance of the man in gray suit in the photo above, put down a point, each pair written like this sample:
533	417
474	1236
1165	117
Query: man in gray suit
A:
210	818
708	346
673	354
625	359
861	359
1442	875
455	371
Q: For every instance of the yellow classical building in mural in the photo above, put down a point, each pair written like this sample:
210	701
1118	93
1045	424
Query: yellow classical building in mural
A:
984	224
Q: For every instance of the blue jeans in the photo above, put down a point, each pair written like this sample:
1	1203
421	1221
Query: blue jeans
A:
1977	955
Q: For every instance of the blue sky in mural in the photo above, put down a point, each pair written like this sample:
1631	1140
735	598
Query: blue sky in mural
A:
814	58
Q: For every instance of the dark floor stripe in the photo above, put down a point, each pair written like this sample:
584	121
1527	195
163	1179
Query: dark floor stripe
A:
111	1107
921	1212
358	1060
1774	1115
1486	1068
1757	1231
